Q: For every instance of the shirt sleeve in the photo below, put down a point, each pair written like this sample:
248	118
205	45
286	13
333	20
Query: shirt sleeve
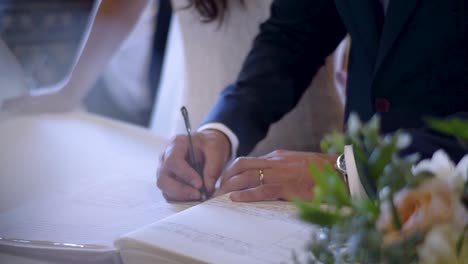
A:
354	183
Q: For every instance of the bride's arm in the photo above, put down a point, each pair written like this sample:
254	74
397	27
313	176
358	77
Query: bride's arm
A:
113	22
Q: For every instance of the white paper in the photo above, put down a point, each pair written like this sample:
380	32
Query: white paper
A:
63	153
78	179
96	215
221	231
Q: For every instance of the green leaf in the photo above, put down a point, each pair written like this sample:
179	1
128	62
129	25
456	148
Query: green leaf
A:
321	252
396	174
365	245
393	253
329	186
395	214
367	207
316	215
333	143
364	177
371	133
461	241
452	126
380	157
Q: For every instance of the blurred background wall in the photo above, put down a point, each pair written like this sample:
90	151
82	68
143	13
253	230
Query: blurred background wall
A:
144	82
45	36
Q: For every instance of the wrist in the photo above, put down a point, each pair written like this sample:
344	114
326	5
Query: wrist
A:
227	132
221	141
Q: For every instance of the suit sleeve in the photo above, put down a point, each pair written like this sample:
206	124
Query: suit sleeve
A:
291	46
425	140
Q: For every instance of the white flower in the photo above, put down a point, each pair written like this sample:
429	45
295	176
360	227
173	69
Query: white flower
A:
443	168
403	140
440	165
440	245
462	168
354	123
460	216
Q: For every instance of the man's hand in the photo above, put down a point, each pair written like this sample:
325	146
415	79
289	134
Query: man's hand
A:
177	179
286	176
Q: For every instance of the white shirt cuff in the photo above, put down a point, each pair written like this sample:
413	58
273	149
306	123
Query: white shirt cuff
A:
354	182
226	131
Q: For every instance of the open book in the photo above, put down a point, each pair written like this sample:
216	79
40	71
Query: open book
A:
216	231
80	227
75	188
220	231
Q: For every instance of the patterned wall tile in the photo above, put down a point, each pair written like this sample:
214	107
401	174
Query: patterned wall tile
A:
44	35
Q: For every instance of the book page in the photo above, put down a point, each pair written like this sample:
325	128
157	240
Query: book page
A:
62	153
222	231
91	216
75	179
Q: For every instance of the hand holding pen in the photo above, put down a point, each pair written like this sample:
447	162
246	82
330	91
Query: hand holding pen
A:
190	165
194	162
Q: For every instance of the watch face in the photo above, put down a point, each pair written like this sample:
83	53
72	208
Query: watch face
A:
342	163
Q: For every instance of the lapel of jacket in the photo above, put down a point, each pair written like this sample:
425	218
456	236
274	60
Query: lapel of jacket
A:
360	19
398	13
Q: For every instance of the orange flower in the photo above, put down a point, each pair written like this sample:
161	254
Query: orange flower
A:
429	204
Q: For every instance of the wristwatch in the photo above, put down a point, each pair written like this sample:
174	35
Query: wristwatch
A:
340	166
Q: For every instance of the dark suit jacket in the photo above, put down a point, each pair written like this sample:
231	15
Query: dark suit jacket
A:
415	68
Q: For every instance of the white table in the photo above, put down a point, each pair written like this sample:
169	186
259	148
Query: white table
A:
60	155
37	152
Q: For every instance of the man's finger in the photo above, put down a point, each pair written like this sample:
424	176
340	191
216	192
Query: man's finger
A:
175	161
243	164
247	179
175	190
214	165
265	192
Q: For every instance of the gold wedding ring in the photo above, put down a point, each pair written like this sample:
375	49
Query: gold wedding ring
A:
261	176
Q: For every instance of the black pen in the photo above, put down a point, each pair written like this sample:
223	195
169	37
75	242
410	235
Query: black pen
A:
193	159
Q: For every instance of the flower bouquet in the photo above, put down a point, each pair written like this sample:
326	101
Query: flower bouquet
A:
415	212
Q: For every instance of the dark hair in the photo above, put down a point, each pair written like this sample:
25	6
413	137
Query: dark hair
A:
210	10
